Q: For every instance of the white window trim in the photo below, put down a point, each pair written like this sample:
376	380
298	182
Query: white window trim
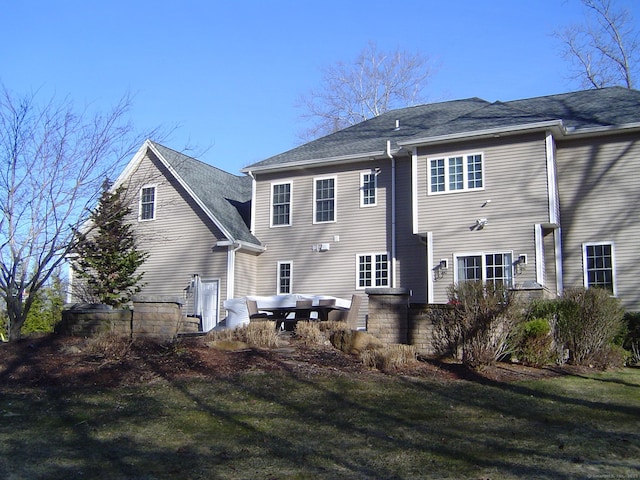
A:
155	202
465	171
375	189
284	262
483	264
585	274
273	184
373	271
335	198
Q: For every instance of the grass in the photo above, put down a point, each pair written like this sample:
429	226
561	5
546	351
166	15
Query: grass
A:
283	426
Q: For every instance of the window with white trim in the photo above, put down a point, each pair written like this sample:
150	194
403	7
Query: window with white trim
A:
455	173
599	266
324	193
368	185
147	203
496	268
284	277
373	270
281	204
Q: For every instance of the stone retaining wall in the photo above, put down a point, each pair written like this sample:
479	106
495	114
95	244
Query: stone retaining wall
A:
157	318
388	314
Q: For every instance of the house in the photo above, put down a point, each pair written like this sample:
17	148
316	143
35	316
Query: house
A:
538	194
193	219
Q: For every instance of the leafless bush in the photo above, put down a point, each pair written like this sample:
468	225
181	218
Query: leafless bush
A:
389	357
110	346
485	315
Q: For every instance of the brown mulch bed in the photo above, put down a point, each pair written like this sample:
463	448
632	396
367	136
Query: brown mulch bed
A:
62	361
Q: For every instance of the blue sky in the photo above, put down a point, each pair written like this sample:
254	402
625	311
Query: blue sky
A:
228	73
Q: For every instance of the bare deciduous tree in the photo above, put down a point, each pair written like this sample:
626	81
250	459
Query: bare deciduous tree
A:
604	50
54	160
351	93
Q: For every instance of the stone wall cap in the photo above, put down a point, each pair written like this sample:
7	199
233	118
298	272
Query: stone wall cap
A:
157	299
387	291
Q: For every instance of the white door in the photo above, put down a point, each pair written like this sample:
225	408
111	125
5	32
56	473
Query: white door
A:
209	297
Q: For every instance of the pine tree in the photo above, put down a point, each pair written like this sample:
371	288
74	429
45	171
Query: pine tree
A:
108	258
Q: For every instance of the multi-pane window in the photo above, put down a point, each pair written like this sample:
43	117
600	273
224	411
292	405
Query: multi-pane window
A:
496	268
598	266
373	270
281	204
325	200
457	173
147	203
368	189
284	277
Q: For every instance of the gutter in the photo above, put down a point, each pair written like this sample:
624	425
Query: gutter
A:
342	159
556	125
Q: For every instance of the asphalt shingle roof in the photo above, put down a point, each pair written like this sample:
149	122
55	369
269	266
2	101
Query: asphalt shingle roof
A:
578	110
226	196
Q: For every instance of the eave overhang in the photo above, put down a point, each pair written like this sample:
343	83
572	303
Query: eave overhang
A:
338	160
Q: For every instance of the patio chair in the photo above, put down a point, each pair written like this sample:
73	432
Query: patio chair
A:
254	313
349	316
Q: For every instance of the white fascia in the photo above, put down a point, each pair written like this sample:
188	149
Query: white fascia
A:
356	157
556	125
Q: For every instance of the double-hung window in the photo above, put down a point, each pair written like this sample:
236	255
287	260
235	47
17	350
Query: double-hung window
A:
284	277
495	268
455	173
368	184
147	208
324	207
599	266
280	204
373	270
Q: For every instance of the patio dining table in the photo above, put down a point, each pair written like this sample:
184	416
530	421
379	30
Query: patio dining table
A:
280	313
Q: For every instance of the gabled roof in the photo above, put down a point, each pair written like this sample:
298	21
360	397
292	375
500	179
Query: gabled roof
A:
389	133
224	198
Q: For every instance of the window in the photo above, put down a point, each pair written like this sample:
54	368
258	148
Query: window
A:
496	268
284	277
454	174
147	203
325	199
373	270
368	183
281	204
599	266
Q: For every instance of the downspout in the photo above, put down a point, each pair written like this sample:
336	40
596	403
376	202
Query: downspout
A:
231	269
393	215
253	203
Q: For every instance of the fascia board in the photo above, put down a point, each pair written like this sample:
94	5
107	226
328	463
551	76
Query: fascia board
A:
131	166
356	157
252	247
599	131
191	193
487	133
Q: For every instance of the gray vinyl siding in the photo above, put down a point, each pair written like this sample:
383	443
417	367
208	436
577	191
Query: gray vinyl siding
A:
515	182
357	230
411	261
179	239
245	272
599	195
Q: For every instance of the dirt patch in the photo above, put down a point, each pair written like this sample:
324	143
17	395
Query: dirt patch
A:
62	361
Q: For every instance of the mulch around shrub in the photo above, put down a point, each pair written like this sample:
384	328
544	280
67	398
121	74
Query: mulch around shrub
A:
63	361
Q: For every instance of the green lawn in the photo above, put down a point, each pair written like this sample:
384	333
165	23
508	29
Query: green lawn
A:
279	426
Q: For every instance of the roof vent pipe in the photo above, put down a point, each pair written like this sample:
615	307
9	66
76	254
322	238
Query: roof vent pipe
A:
397	124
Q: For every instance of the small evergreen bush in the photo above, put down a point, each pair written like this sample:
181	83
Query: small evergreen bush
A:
534	344
587	323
